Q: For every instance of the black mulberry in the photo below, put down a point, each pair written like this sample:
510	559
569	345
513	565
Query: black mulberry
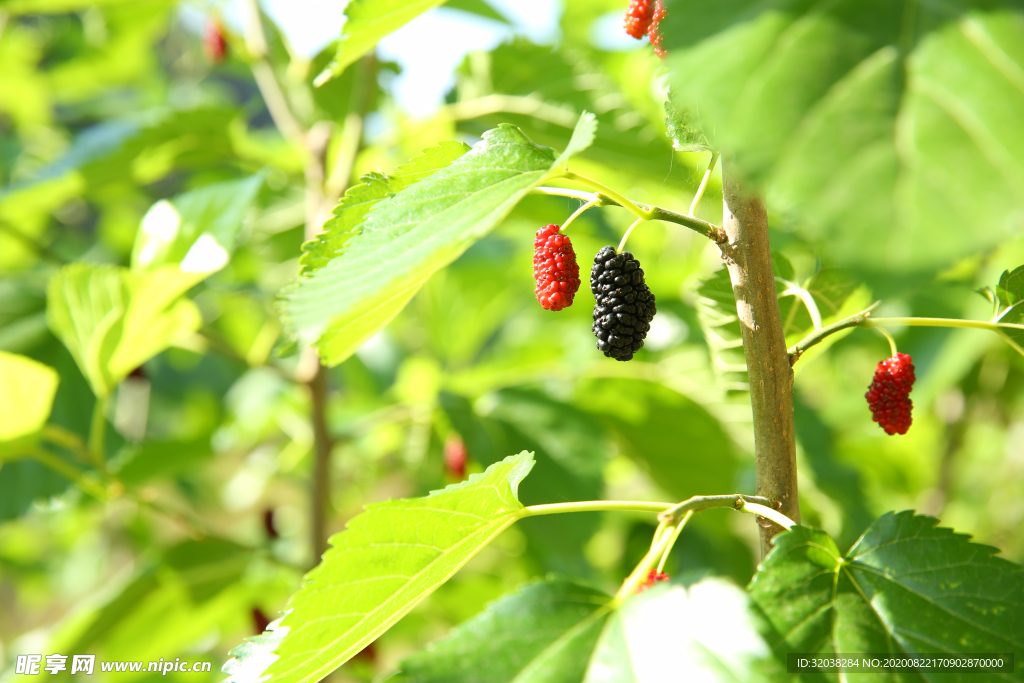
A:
624	305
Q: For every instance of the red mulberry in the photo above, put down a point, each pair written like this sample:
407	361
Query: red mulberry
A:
215	45
889	394
554	269
638	17
653	577
655	29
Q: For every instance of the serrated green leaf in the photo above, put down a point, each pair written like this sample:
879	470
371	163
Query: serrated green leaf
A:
366	22
906	587
27	389
113	320
1010	290
413	233
349	215
716	314
545	631
197	229
388	559
881	126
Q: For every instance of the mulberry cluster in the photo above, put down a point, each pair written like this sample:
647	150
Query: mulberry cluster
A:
554	269
655	29
889	394
653	577
638	17
624	304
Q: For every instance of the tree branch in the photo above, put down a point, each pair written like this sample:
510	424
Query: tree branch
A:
820	334
748	258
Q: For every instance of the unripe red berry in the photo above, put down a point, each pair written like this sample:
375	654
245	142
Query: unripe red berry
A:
638	17
455	456
653	577
889	394
215	45
654	31
554	269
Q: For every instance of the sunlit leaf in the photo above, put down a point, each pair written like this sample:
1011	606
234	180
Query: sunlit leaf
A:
113	320
413	233
27	389
386	561
197	229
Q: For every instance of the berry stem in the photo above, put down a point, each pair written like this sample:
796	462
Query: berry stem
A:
793	289
596	201
628	204
858	319
675	535
709	230
888	338
622	244
658	546
703	183
768	513
598	506
943	322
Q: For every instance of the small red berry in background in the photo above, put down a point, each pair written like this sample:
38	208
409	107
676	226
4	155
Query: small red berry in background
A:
655	29
889	394
455	456
215	45
554	269
638	17
653	577
260	621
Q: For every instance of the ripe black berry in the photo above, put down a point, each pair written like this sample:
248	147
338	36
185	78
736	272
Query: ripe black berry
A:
624	304
655	29
638	17
889	394
555	269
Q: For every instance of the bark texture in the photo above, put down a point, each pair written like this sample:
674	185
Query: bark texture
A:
748	256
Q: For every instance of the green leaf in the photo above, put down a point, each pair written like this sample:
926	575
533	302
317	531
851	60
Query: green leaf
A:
350	214
830	288
113	320
906	587
545	631
27	389
647	419
389	559
411	234
366	22
1010	293
195	230
884	127
716	314
478	7
558	631
543	90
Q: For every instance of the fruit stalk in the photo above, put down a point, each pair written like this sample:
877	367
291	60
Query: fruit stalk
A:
747	254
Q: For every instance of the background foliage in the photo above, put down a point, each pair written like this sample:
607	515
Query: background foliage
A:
113	124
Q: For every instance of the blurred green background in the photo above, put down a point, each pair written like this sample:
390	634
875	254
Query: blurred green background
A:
106	108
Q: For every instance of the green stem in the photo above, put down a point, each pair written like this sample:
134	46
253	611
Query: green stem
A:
658	546
98	432
888	338
709	230
675	535
596	506
596	201
64	438
699	503
942	322
622	244
703	183
817	336
793	289
628	204
65	469
768	513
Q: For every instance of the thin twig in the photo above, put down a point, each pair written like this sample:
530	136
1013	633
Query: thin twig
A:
270	89
703	183
819	335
